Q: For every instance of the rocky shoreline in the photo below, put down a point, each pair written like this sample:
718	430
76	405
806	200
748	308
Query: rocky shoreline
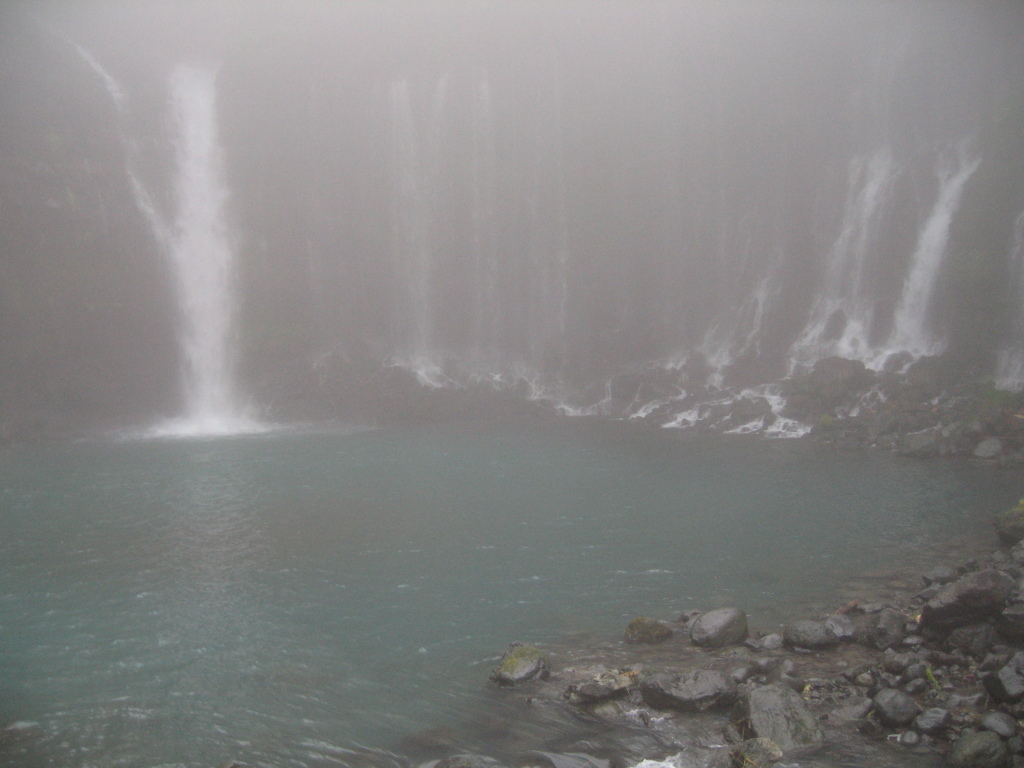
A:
928	670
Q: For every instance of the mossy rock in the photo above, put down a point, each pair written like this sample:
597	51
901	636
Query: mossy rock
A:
520	664
1010	524
645	631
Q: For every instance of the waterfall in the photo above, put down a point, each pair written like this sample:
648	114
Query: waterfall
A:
202	254
842	313
414	168
486	309
199	247
910	325
1010	364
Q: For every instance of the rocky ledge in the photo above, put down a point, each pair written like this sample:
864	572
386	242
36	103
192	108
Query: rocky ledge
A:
924	674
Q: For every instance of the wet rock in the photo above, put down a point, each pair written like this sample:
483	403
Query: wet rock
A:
1010	622
719	628
851	712
909	739
979	750
520	664
809	634
1007	683
988	448
778	713
1010	524
970	598
568	760
1001	724
932	721
468	761
430	744
895	708
606	684
645	631
689	692
972	639
772	642
841	626
941	574
755	753
897	663
924	442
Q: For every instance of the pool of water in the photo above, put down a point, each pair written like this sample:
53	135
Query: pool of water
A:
270	598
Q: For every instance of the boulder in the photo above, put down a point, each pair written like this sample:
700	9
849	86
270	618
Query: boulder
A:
520	664
895	708
932	721
988	448
969	599
755	753
887	629
1010	524
1010	622
778	713
645	631
979	750
1007	682
924	442
1001	724
468	761
689	692
718	628
809	634
604	685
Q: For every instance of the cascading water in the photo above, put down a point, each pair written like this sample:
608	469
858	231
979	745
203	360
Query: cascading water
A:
202	254
911	331
1010	365
199	247
842	314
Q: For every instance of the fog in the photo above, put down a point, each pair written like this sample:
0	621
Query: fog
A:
551	192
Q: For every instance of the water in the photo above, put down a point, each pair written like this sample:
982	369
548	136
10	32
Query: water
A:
272	598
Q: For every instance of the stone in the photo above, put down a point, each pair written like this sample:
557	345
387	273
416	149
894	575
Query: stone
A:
778	713
979	750
1007	683
719	628
1000	723
932	721
988	448
772	642
841	626
969	599
887	630
689	692
924	442
604	685
1010	622
809	634
850	712
895	708
520	664
1010	524
941	574
468	761
755	753
646	631
971	639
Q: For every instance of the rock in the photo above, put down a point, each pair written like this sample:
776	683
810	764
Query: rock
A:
979	750
988	448
941	574
1010	623
468	761
778	713
887	629
895	708
606	684
809	634
972	639
932	721
841	626
718	628
1010	524
924	442
645	631
851	712
755	753
568	760
520	664
1001	724
689	692
970	598
772	642
1007	683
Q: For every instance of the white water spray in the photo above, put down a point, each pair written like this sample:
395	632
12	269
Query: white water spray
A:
1010	364
910	325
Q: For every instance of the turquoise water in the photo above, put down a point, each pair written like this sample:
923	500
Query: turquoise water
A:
273	597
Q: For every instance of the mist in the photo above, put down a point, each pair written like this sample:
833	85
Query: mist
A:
509	192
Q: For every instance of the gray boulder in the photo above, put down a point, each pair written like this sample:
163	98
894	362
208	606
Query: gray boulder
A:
755	753
1010	622
1010	524
645	631
809	634
887	629
932	721
778	713
895	708
1007	682
988	448
520	664
969	599
1001	724
718	628
689	692
979	750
